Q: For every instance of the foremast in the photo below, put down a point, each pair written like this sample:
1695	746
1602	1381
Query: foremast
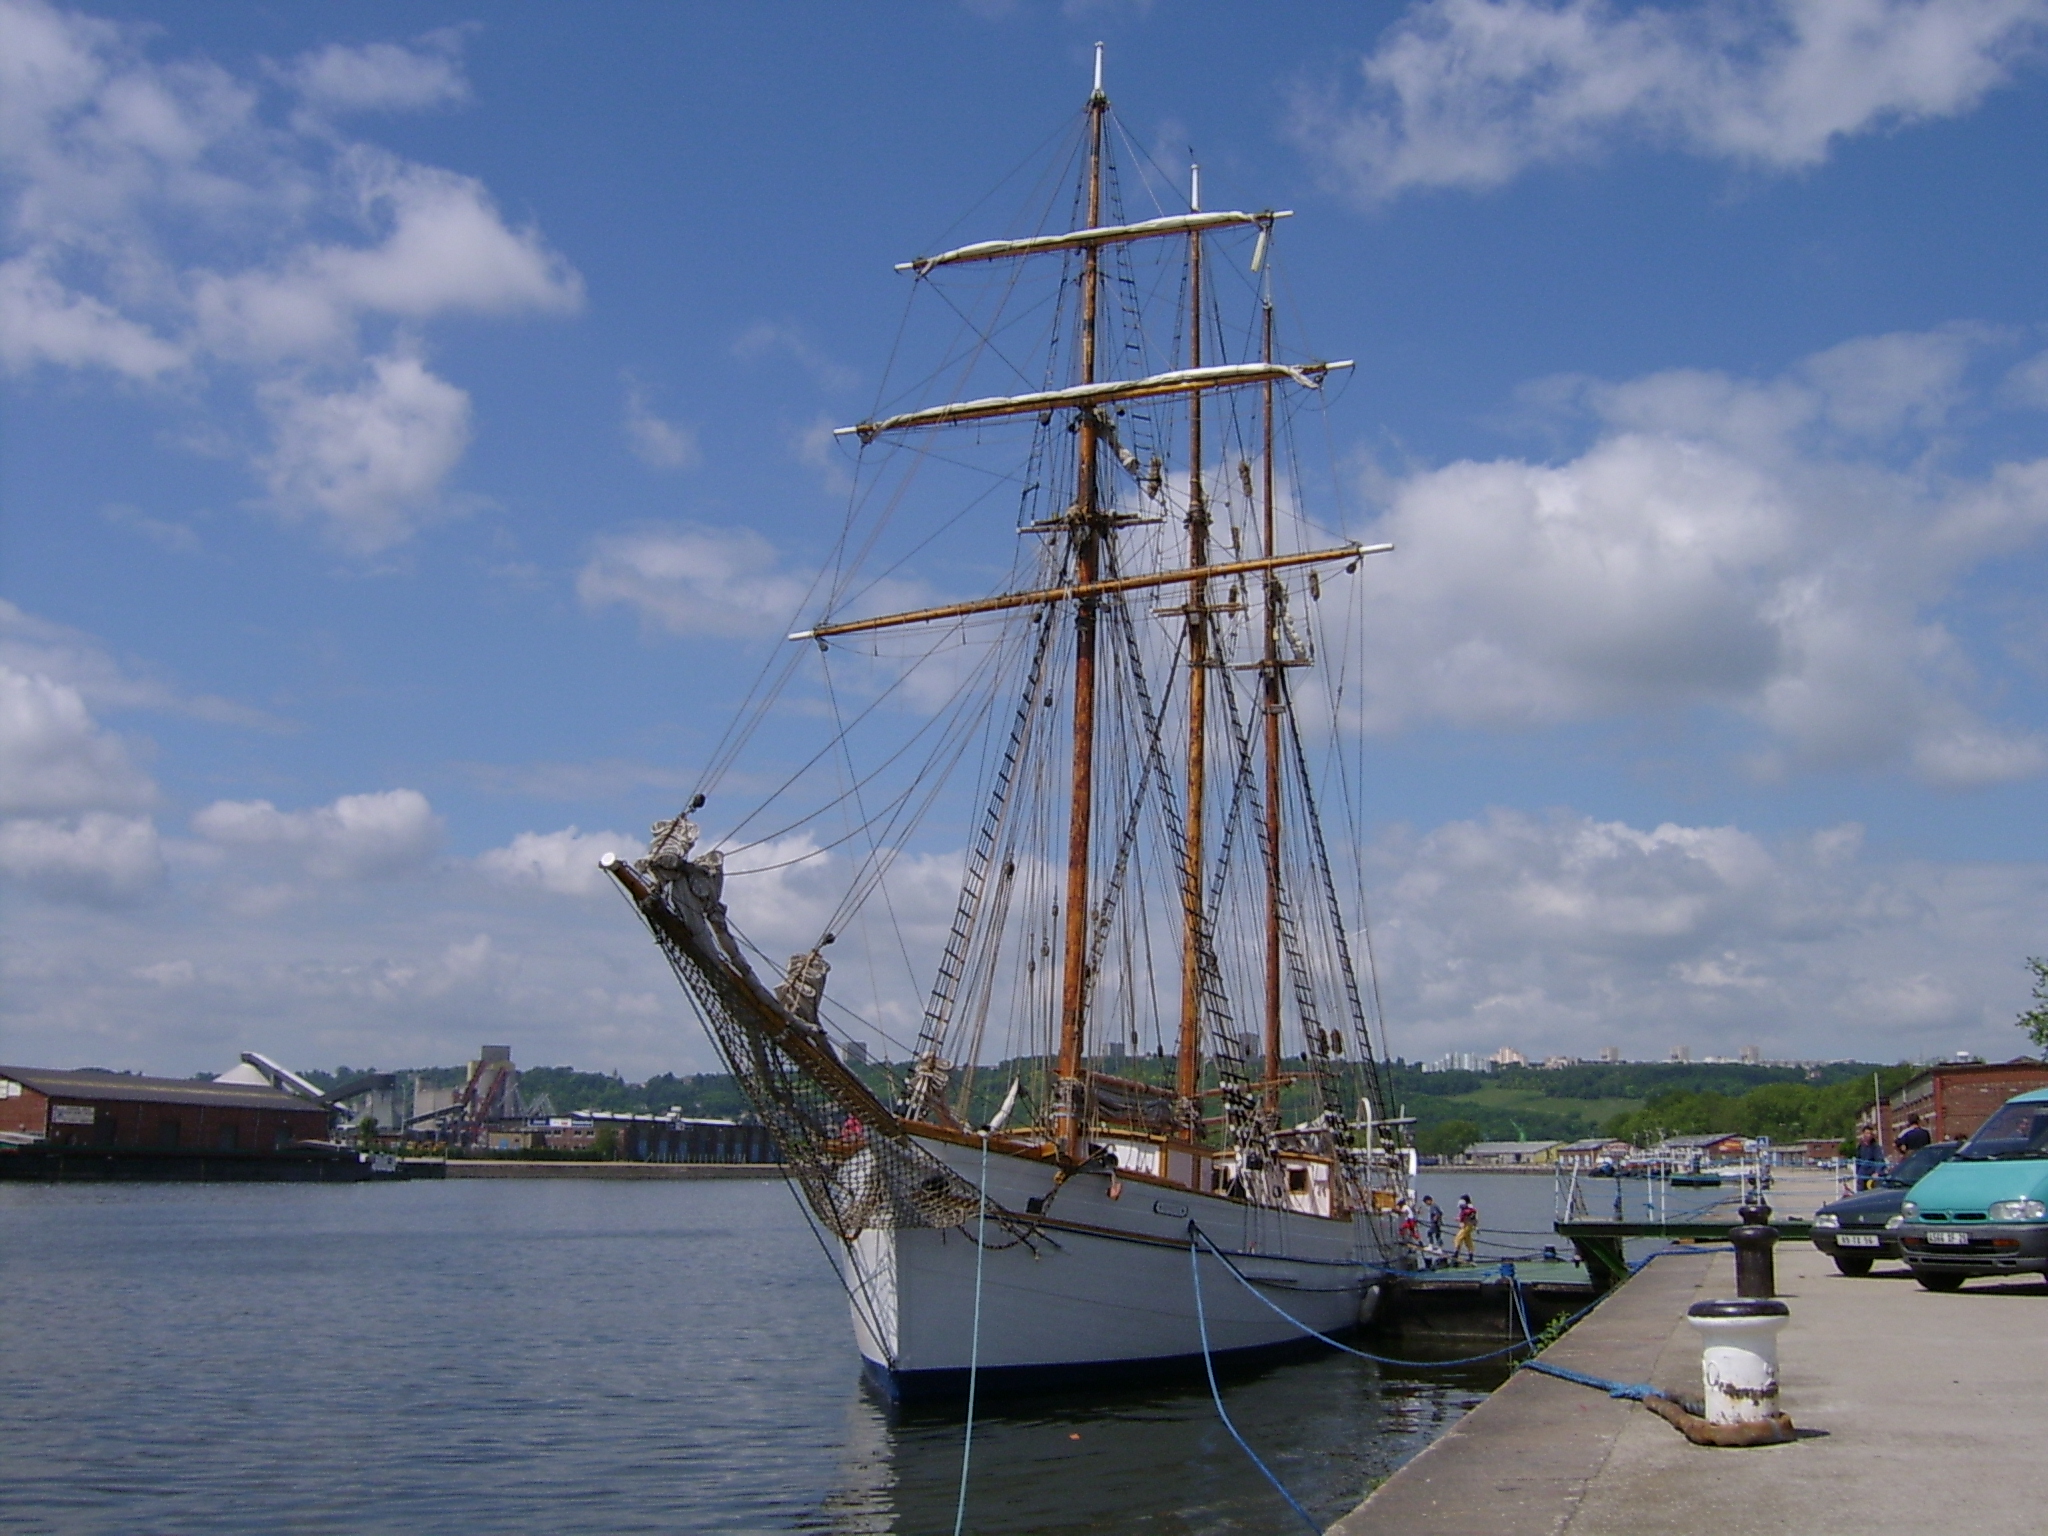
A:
1086	538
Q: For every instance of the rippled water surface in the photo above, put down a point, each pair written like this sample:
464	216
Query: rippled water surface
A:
568	1357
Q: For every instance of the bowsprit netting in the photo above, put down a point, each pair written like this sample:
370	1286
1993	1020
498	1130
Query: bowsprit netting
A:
858	1167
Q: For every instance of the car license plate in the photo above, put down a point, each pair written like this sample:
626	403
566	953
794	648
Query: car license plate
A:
1857	1240
1950	1239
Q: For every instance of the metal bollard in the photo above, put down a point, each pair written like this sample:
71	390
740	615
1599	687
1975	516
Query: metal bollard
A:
1739	1357
1756	1275
1756	1270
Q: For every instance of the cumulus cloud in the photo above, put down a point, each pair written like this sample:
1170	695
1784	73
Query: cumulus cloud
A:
1567	933
159	227
383	77
55	758
1777	549
768	339
98	858
1469	93
658	442
67	791
358	837
370	459
691	580
563	863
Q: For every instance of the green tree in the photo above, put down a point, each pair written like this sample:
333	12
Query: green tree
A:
2035	1020
1448	1139
366	1131
606	1143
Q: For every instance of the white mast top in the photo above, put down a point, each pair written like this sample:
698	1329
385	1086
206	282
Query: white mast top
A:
1195	188
1098	69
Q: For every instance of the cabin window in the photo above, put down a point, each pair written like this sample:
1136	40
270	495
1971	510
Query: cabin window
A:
168	1132
1297	1180
230	1138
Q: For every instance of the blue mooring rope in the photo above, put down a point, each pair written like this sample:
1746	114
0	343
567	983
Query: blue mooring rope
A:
1209	1365
1364	1354
1635	1391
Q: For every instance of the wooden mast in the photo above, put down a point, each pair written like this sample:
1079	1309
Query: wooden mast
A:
1188	1077
1087	537
1271	710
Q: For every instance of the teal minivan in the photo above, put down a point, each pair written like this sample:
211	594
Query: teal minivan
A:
1985	1210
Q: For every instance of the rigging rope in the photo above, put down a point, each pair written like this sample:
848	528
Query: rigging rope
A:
1216	1394
974	1343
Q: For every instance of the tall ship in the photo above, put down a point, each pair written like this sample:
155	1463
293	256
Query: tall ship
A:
1143	1118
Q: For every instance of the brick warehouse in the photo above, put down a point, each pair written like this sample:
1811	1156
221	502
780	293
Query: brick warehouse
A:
1954	1099
112	1111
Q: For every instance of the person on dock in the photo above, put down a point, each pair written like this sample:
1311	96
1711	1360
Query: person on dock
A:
1435	1214
1913	1137
1869	1161
1468	1231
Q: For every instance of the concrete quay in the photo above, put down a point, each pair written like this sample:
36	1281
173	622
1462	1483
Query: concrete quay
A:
1915	1411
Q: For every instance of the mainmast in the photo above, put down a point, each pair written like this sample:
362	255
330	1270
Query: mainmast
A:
1271	709
1188	1077
1087	544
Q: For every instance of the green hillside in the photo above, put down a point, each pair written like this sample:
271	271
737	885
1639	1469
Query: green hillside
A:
1642	1101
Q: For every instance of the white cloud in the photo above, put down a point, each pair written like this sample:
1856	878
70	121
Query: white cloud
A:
1469	93
383	77
1569	933
444	249
358	837
158	227
660	443
564	862
1778	549
43	322
54	758
770	338
371	460
75	660
693	581
98	858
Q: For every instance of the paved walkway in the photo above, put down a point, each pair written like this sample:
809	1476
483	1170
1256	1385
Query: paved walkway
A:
1917	1412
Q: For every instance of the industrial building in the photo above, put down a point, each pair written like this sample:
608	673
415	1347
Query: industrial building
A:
667	1138
114	1110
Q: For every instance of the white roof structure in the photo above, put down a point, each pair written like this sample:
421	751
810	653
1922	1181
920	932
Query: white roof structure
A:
1508	1151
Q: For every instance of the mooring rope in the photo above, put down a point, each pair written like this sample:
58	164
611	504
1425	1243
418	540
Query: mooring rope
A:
1635	1391
1215	1393
974	1340
1363	1354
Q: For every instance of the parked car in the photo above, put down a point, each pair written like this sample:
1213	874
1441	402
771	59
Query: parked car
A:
1985	1210
1859	1230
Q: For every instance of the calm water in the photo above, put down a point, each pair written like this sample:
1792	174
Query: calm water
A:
573	1357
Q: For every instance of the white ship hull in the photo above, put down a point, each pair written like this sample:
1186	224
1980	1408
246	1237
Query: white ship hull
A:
1102	1289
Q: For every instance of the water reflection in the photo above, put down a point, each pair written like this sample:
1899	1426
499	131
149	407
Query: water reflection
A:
1153	1460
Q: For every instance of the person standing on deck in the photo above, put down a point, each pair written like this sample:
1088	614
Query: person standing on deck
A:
1435	1213
1468	1231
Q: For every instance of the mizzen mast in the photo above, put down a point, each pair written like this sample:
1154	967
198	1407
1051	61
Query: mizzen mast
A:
1271	702
1194	938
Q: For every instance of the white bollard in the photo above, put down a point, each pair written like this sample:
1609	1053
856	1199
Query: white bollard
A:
1739	1357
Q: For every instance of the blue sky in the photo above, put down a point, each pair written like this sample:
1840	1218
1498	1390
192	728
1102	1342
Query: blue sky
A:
412	444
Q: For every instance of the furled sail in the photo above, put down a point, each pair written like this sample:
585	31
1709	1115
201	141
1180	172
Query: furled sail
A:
1181	381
